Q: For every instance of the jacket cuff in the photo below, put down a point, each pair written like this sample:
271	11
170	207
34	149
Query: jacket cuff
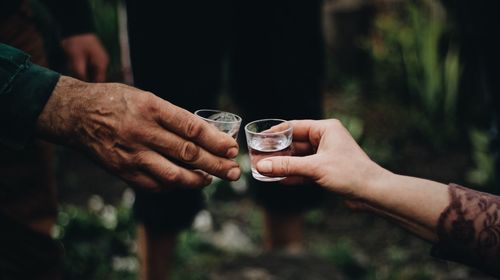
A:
22	101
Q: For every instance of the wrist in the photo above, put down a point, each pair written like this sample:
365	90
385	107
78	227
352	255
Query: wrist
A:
373	180
60	116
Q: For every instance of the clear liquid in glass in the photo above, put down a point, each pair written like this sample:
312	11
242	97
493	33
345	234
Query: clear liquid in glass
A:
268	147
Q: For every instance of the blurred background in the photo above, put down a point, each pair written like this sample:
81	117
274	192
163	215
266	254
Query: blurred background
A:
395	77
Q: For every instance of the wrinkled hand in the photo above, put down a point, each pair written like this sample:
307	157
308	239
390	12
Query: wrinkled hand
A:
86	56
326	153
143	139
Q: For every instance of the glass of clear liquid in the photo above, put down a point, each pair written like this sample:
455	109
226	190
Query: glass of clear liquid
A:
267	138
226	122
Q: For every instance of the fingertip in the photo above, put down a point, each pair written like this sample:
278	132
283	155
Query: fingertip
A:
232	152
234	174
100	77
208	180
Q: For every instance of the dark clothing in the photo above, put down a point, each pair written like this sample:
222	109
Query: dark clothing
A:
73	17
268	56
176	208
24	90
27	189
477	24
467	230
27	175
26	254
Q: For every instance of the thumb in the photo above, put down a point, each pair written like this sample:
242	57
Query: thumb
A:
99	73
99	62
285	166
78	66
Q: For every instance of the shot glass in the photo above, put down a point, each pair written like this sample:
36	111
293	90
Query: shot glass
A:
226	122
267	138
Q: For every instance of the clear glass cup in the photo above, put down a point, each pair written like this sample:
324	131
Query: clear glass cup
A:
224	121
267	138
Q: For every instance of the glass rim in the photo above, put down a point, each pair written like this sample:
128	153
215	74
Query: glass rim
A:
238	118
290	128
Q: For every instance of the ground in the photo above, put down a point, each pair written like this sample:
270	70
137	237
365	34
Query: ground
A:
225	240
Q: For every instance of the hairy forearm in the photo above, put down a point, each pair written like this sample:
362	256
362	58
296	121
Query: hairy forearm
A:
56	119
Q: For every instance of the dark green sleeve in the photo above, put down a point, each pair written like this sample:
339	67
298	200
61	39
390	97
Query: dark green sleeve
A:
73	16
24	90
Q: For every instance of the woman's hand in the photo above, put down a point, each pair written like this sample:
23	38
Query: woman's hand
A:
326	153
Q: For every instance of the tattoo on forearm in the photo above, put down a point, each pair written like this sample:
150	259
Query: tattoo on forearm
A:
470	227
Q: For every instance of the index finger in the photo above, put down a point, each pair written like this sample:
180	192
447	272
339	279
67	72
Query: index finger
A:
99	62
99	72
78	66
189	126
302	129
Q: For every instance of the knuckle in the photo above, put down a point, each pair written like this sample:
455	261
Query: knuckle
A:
224	143
193	128
140	159
170	175
189	152
146	103
218	166
134	131
335	122
142	101
285	166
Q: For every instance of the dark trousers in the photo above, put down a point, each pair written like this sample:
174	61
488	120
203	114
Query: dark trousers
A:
480	59
268	54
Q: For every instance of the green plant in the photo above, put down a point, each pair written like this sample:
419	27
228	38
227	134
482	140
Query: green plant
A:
342	255
481	174
416	64
97	241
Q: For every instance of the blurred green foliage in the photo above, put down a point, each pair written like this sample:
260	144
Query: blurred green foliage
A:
342	255
408	113
413	86
98	242
482	172
415	64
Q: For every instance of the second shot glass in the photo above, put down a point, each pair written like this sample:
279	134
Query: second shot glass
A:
226	122
267	138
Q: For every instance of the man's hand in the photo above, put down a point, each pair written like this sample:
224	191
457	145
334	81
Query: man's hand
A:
87	59
143	139
326	153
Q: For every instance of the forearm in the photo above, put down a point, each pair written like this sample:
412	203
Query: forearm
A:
463	224
413	203
58	118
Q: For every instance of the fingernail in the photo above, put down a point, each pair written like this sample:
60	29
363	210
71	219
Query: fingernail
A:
265	166
208	179
232	153
234	174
